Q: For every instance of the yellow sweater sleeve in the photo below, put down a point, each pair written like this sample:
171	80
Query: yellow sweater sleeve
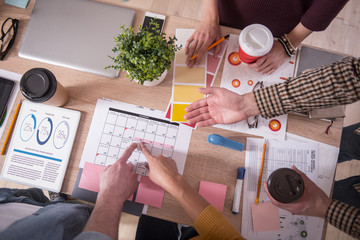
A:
211	224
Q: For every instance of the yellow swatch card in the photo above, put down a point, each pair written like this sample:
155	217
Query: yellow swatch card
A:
194	75
186	93
178	112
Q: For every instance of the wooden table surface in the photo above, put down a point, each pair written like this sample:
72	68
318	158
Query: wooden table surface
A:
204	161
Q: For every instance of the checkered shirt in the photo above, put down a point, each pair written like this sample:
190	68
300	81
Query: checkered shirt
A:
344	217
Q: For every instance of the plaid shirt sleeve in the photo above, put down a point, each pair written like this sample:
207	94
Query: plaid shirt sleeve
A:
344	217
334	84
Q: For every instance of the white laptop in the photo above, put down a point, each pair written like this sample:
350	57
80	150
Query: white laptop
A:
78	34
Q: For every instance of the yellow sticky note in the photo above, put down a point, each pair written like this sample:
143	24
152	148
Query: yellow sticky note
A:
178	112
194	75
186	93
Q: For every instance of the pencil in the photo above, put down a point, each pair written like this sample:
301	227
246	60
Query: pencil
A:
261	173
11	128
212	45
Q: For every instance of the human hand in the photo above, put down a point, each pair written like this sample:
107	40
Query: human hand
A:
270	62
119	181
206	33
162	170
313	202
221	107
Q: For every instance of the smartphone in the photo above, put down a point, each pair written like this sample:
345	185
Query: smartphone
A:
158	18
6	87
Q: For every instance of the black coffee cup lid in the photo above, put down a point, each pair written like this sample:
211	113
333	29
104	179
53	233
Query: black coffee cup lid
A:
285	185
38	84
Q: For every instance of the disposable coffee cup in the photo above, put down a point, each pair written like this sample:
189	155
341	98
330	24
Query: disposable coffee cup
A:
255	41
285	185
40	85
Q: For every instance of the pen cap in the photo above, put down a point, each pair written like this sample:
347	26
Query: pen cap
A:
241	173
285	185
40	85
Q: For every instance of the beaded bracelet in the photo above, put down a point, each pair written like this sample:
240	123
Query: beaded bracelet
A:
285	42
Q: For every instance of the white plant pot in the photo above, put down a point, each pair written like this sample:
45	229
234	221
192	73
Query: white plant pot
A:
155	81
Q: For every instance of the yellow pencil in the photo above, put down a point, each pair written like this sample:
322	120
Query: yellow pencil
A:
11	127
261	173
212	45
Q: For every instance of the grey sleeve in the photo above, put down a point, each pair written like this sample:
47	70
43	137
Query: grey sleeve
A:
92	235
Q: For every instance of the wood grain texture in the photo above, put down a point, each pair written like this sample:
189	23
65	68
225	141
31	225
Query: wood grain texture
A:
204	161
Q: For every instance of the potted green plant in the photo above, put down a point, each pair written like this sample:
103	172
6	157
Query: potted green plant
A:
145	55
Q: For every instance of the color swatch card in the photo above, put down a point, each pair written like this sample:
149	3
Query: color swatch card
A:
114	127
40	146
186	81
241	79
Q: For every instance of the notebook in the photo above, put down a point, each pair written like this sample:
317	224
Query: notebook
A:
78	34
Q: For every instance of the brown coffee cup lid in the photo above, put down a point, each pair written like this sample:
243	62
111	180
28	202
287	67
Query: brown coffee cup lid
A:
38	85
285	185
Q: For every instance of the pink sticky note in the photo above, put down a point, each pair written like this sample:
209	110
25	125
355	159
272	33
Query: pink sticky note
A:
265	217
90	177
212	63
214	193
209	79
149	193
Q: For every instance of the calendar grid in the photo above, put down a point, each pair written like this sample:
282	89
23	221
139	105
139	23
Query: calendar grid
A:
122	128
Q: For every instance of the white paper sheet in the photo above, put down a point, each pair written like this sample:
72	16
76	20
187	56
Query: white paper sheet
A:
115	125
16	78
241	79
279	154
40	146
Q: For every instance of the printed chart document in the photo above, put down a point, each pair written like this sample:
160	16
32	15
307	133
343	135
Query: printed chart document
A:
114	127
241	79
279	154
40	147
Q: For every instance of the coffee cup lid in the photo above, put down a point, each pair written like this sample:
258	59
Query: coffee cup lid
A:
285	185
256	40
38	84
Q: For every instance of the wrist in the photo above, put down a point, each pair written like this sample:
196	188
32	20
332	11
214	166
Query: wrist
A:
324	206
112	201
250	106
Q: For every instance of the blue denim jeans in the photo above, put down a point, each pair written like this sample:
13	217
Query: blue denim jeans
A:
349	149
53	221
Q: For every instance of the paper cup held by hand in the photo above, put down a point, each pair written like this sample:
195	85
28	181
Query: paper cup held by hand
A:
255	41
40	85
285	185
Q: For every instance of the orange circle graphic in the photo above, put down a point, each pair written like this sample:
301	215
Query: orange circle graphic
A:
235	83
274	125
250	82
234	58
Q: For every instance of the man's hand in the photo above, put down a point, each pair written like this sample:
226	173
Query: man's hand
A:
221	107
313	202
163	170
270	62
119	181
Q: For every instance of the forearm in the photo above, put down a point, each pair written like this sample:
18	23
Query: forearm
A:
105	217
298	34
344	217
192	202
335	84
210	12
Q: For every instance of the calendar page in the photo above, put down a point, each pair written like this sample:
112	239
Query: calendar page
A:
116	125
